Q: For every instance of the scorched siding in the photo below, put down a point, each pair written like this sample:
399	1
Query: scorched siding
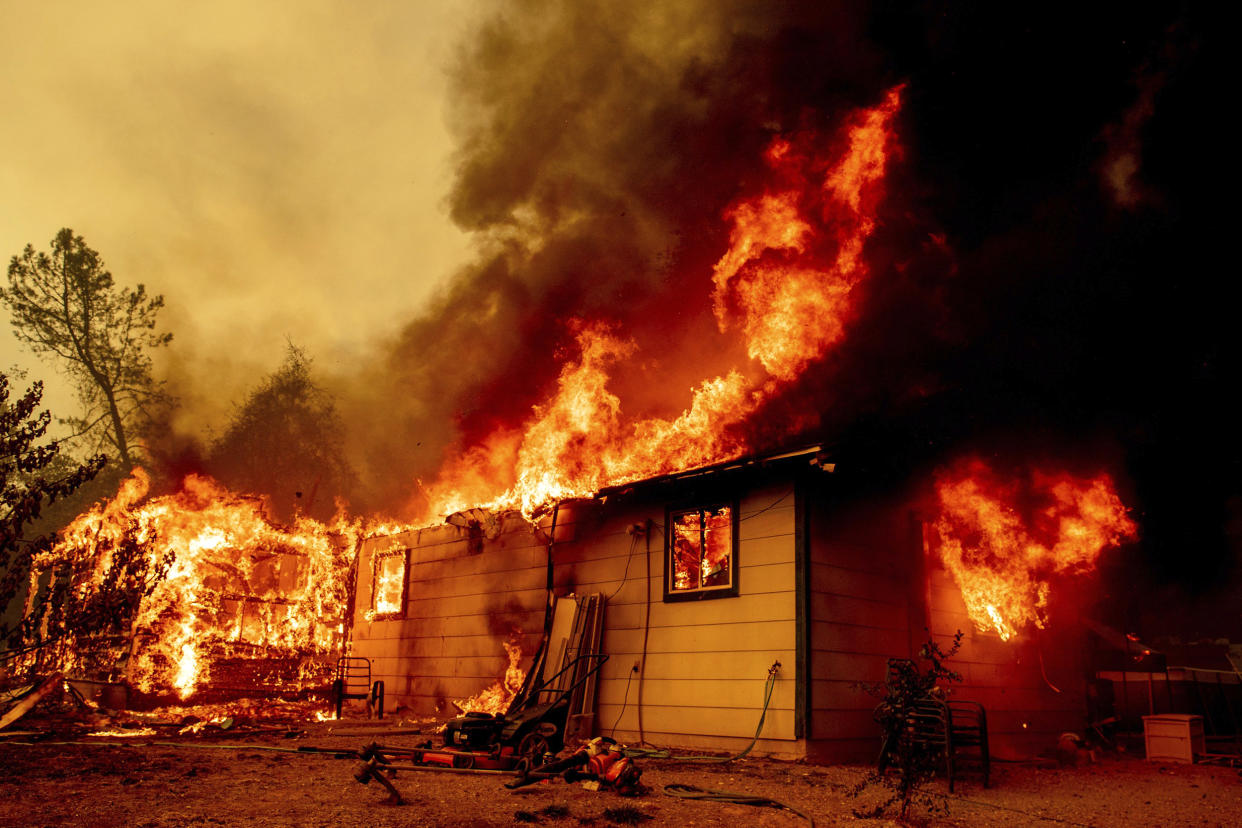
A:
706	661
1034	687
861	574
876	594
460	607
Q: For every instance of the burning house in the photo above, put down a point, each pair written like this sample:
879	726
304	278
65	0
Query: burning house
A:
719	558
754	351
713	576
218	601
720	562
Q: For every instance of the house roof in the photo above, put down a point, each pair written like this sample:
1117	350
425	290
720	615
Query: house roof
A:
813	454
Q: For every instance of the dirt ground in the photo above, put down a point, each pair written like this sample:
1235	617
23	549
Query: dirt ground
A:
262	780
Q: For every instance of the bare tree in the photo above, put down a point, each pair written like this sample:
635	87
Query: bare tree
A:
64	303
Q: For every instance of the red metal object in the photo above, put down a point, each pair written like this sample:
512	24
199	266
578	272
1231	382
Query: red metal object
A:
502	759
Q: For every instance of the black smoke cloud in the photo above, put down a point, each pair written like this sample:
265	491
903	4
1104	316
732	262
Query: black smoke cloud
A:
599	145
1015	300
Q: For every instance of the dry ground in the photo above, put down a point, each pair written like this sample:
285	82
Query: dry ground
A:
227	781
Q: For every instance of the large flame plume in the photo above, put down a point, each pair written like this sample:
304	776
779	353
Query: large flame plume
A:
237	585
1004	540
786	282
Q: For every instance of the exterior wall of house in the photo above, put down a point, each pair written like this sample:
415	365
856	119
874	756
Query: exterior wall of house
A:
848	557
875	594
461	604
863	606
1033	686
702	664
706	661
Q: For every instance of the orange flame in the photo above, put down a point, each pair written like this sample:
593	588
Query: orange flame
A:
1001	561
793	298
497	698
787	280
238	585
389	584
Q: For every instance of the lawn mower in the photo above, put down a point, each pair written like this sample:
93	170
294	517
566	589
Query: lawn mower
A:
529	734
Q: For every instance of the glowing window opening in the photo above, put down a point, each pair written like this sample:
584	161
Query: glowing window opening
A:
388	587
701	553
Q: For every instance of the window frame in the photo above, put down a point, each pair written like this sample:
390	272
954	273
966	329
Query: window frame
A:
376	562
702	593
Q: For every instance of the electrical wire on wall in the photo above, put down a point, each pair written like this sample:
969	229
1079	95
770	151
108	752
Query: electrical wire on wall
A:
1039	648
770	506
634	532
624	701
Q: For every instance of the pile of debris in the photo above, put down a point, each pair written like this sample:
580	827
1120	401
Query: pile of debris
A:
56	706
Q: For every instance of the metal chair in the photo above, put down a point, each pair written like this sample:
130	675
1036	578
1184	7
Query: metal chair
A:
956	729
968	735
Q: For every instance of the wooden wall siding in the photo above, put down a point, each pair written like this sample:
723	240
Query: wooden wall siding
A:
706	662
1025	714
859	555
460	608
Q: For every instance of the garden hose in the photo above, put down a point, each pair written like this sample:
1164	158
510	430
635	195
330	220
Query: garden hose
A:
731	797
664	753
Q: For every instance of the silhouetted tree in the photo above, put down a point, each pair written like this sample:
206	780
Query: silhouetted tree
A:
286	441
65	304
33	474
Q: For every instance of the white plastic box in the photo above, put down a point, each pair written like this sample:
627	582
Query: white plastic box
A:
1173	737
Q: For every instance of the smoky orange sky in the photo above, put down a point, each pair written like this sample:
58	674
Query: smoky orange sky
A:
277	170
421	195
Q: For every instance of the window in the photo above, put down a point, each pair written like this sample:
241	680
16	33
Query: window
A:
701	558
388	586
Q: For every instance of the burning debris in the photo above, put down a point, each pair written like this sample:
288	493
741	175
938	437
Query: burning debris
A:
1004	540
235	593
497	698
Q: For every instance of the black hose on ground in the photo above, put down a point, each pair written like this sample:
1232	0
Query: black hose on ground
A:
731	797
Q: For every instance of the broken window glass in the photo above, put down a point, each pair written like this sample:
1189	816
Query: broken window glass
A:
701	549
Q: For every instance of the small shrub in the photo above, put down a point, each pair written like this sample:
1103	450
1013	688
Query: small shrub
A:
915	762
